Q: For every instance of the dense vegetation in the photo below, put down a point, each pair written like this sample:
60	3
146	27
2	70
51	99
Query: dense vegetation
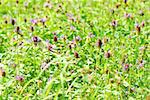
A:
74	49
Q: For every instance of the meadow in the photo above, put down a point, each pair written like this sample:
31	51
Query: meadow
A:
74	50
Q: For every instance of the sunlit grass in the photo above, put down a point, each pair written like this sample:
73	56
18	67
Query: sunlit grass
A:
71	49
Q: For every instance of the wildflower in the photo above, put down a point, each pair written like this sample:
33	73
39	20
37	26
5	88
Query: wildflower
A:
54	33
112	11
107	71
32	28
44	66
34	21
112	80
142	48
127	15
50	78
91	35
114	23
73	43
13	21
76	55
78	38
26	4
60	5
20	78
137	27
99	43
6	21
21	43
72	28
132	89
2	72
126	67
49	47
39	82
25	20
105	40
141	13
70	46
43	20
141	64
70	17
55	38
14	65
143	24
107	54
47	5
17	1
39	92
125	1
35	39
18	31
118	5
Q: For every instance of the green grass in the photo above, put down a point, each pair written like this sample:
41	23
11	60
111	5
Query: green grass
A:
69	62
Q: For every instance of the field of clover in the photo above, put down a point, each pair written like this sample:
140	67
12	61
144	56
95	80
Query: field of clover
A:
74	49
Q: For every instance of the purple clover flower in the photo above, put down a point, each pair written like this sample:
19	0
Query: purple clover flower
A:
126	15
126	67
78	38
35	39
43	20
34	21
20	78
